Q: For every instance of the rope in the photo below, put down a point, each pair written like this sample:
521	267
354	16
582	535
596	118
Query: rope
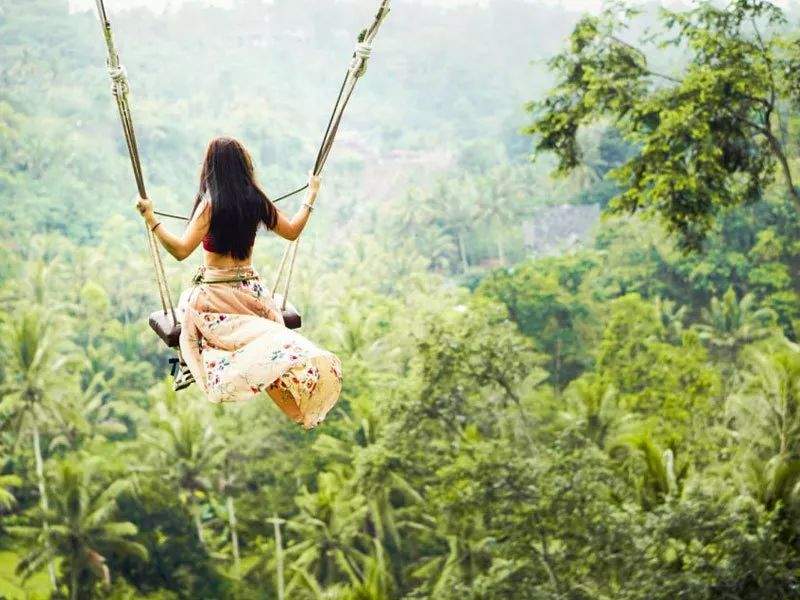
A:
293	246
360	56
182	218
170	216
356	70
280	270
120	89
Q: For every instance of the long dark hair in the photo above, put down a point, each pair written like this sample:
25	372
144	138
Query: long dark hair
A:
238	204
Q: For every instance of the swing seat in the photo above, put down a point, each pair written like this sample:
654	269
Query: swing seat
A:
170	332
291	318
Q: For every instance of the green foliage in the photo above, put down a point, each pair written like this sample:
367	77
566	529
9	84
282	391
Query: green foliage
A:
543	300
620	421
707	137
80	528
669	386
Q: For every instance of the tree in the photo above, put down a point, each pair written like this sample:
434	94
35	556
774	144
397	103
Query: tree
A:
35	371
330	544
651	469
7	499
455	208
500	195
542	299
728	325
702	547
186	449
81	527
668	386
706	138
767	415
594	403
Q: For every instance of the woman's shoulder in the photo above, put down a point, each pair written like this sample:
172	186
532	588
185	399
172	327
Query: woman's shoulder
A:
203	210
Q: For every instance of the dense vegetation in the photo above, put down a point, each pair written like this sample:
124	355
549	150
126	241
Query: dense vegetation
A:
617	421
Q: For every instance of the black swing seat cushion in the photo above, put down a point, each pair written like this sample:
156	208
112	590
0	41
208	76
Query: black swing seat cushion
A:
170	332
167	329
291	318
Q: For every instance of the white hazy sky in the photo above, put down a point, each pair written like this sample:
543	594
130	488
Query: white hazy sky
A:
160	5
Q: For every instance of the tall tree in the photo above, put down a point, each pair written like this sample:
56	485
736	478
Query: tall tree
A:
7	499
35	371
708	136
767	415
81	528
729	324
187	450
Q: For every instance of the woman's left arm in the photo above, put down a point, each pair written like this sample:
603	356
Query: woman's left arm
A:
179	247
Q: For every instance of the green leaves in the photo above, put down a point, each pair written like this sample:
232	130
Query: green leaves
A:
80	525
706	139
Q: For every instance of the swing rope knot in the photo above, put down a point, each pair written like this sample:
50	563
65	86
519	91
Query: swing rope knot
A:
119	79
360	56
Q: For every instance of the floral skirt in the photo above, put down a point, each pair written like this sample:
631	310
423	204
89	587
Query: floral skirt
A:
236	346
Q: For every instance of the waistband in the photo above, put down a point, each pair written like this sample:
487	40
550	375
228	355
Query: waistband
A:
208	275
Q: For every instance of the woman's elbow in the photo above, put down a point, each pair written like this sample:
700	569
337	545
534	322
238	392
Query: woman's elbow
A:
181	254
289	233
296	231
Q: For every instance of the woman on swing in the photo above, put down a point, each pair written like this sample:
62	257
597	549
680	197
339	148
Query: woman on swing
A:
233	339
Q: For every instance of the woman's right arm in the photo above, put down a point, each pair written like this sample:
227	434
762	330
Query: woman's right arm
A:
291	229
179	247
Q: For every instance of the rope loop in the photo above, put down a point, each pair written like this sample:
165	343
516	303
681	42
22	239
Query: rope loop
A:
361	54
119	79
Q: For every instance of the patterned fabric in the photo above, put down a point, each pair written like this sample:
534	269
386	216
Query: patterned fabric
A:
236	346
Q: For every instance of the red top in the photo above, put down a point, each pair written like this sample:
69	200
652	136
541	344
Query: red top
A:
208	240
208	243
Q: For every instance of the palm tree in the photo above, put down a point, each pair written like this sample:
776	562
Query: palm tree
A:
651	469
672	317
353	522
226	486
774	480
730	324
35	285
499	203
34	370
458	560
7	499
95	412
376	583
767	413
331	544
593	401
381	486
455	207
412	215
439	571
81	527
415	219
187	450
767	408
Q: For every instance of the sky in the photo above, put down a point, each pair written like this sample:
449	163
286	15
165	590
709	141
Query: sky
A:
160	5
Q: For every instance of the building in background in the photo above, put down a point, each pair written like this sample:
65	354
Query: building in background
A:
558	229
